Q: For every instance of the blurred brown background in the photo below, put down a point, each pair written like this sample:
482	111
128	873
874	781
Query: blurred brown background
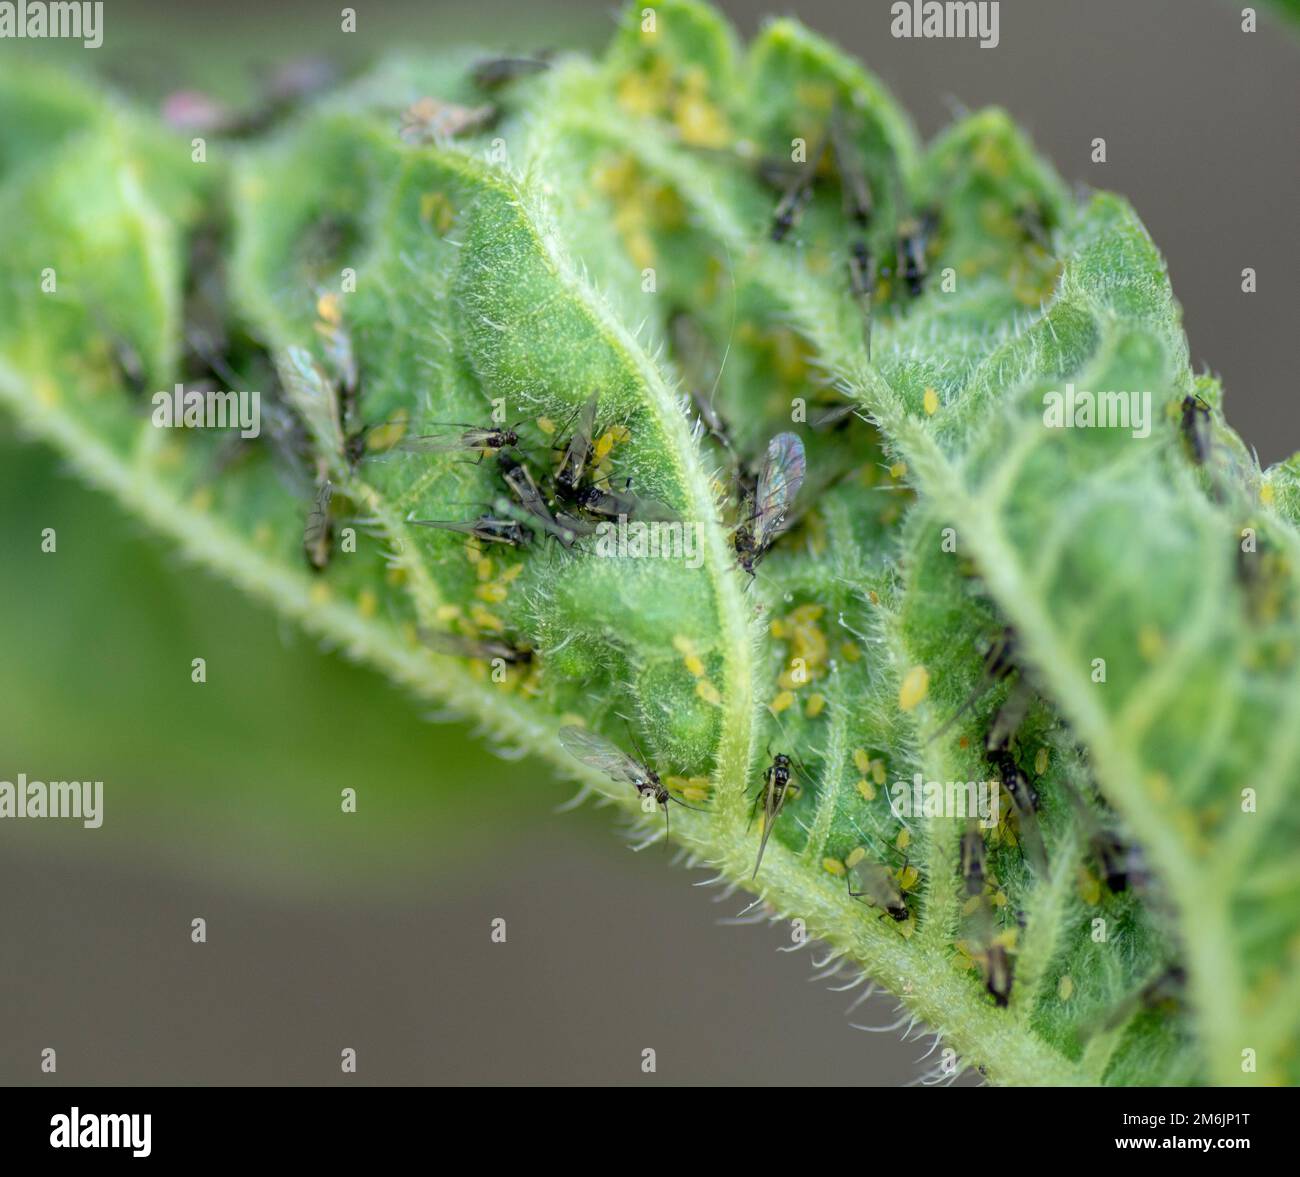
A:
373	931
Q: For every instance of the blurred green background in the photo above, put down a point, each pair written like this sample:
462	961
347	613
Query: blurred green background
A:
222	800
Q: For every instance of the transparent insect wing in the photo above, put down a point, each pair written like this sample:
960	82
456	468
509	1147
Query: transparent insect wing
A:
315	398
773	802
315	536
778	484
460	646
597	752
578	450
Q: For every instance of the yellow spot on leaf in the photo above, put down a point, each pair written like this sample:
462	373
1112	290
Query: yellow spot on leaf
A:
783	701
1065	988
833	866
931	402
916	685
1041	759
816	705
708	692
367	602
867	789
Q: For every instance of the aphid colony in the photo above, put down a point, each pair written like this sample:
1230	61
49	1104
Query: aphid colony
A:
797	184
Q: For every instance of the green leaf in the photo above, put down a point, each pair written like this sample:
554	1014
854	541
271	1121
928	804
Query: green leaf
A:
609	235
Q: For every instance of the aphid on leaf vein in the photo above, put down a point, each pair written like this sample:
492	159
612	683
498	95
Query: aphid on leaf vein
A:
577	452
599	753
519	481
773	792
1195	424
486	528
782	473
318	534
472	437
990	954
314	397
876	886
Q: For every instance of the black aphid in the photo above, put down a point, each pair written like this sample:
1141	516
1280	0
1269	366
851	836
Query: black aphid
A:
526	493
772	794
487	528
577	451
471	437
797	195
497	71
1195	423
911	255
862	283
599	753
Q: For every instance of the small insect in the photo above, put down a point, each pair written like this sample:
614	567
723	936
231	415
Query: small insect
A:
568	478
856	192
599	753
1120	862
472	437
862	283
428	120
605	503
992	956
1195	423
318	533
878	887
487	528
775	789
525	491
797	195
1035	222
911	255
998	973
779	481
1024	799
494	72
972	859
1166	985
128	363
693	353
483	649
315	398
999	663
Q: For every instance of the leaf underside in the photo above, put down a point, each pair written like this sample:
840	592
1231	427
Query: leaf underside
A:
551	256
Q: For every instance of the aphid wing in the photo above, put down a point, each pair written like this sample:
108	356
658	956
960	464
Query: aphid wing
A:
579	447
778	484
597	752
315	398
